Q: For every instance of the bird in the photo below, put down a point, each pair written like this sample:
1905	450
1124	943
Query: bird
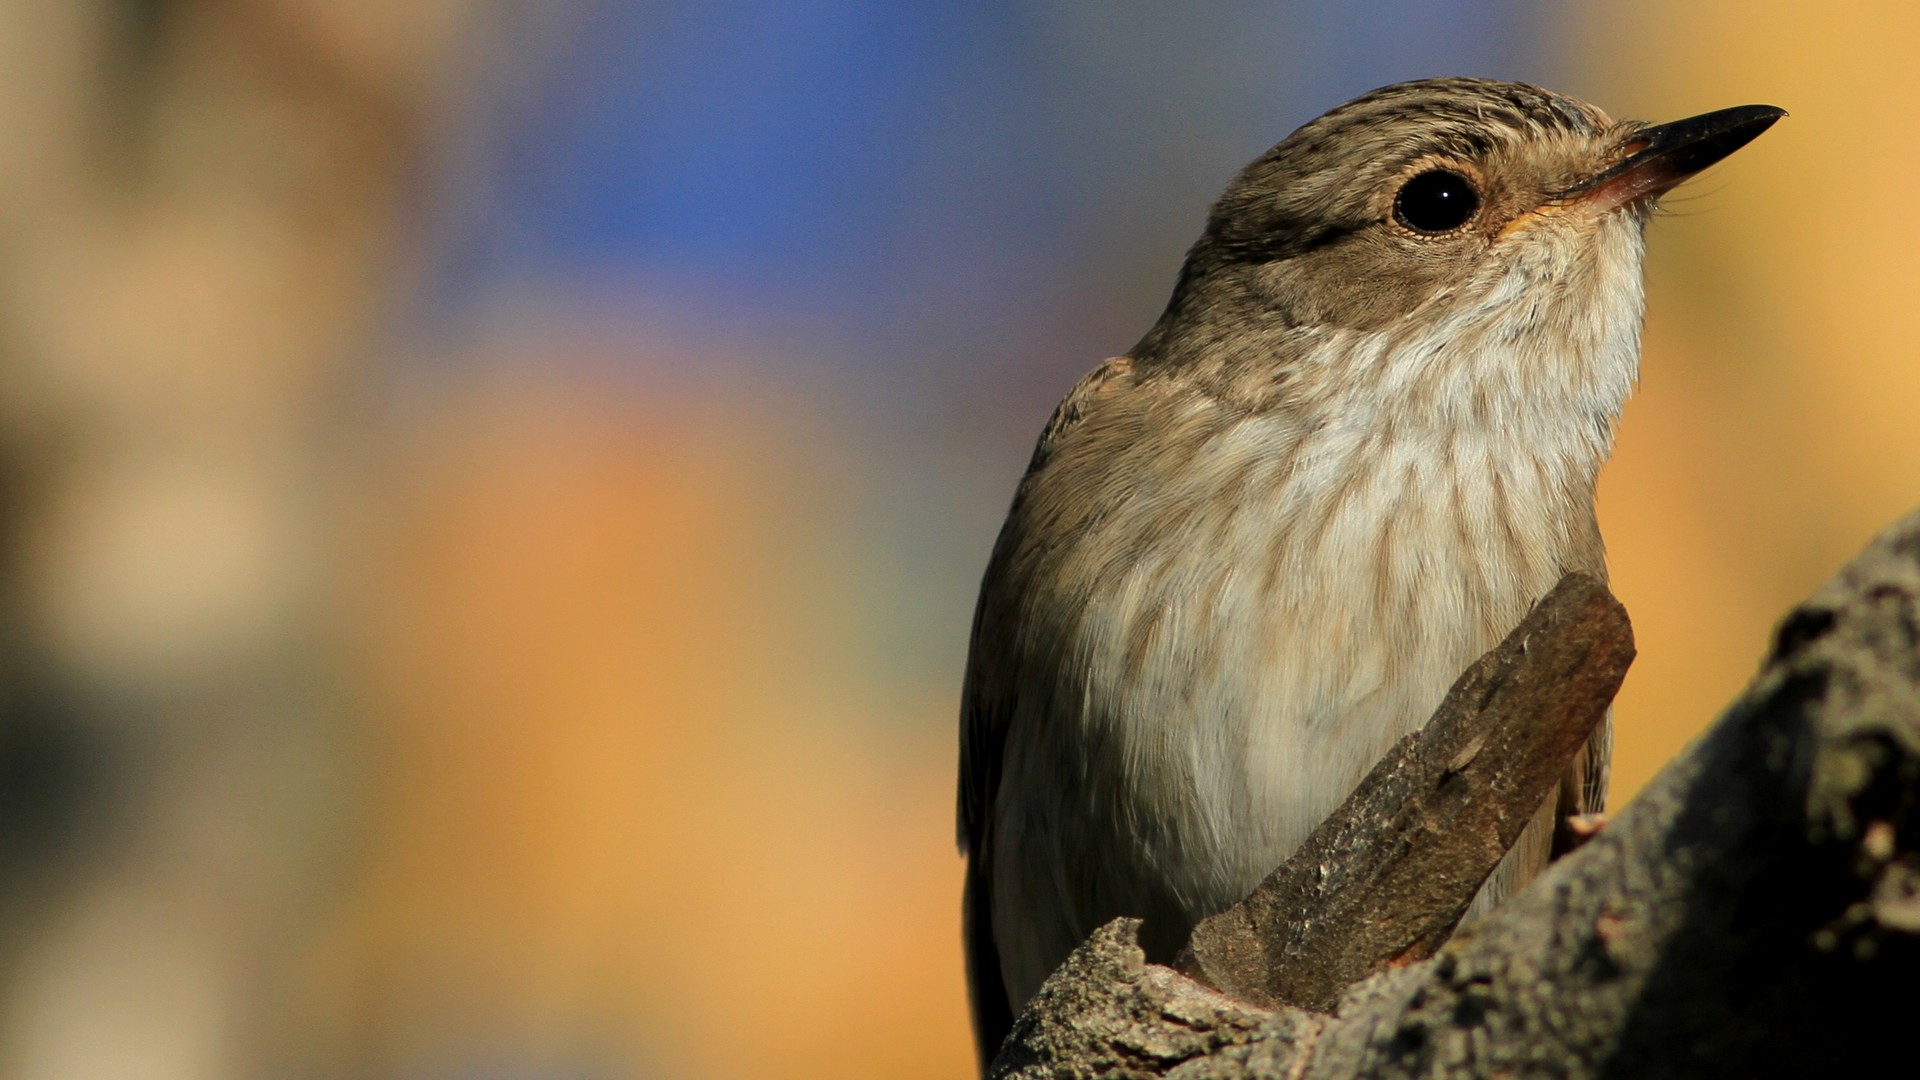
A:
1254	551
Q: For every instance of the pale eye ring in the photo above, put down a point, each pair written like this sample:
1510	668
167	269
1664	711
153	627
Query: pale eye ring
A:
1435	202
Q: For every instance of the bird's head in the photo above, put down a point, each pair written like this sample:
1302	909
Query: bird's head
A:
1443	200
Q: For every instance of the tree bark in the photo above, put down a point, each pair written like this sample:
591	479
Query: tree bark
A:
1753	912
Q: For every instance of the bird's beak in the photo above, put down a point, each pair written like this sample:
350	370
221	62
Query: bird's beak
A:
1659	158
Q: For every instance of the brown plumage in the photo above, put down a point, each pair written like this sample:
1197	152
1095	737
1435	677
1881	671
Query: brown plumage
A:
1255	551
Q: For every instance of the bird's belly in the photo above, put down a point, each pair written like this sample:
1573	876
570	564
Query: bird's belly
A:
1256	753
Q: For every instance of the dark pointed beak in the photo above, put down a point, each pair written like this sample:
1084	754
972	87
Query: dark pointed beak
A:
1659	158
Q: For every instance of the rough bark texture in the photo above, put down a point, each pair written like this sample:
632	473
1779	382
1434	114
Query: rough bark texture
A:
1385	880
1755	912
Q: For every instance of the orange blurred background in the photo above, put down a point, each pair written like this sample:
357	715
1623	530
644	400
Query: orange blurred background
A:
493	493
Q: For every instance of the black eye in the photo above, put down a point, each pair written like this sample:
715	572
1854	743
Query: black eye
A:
1436	201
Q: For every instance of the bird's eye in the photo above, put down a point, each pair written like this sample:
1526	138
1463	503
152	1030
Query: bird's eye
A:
1436	201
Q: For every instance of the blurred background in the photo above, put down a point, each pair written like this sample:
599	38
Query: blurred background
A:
491	491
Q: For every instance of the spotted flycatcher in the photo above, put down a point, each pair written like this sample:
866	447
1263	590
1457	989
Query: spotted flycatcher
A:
1255	551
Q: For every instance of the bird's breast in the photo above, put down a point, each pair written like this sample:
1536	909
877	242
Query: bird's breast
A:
1256	626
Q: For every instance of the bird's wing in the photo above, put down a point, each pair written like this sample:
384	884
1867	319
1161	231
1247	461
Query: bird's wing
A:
986	988
986	710
1597	767
1584	790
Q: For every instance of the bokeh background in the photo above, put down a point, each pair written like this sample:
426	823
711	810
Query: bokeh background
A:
491	491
